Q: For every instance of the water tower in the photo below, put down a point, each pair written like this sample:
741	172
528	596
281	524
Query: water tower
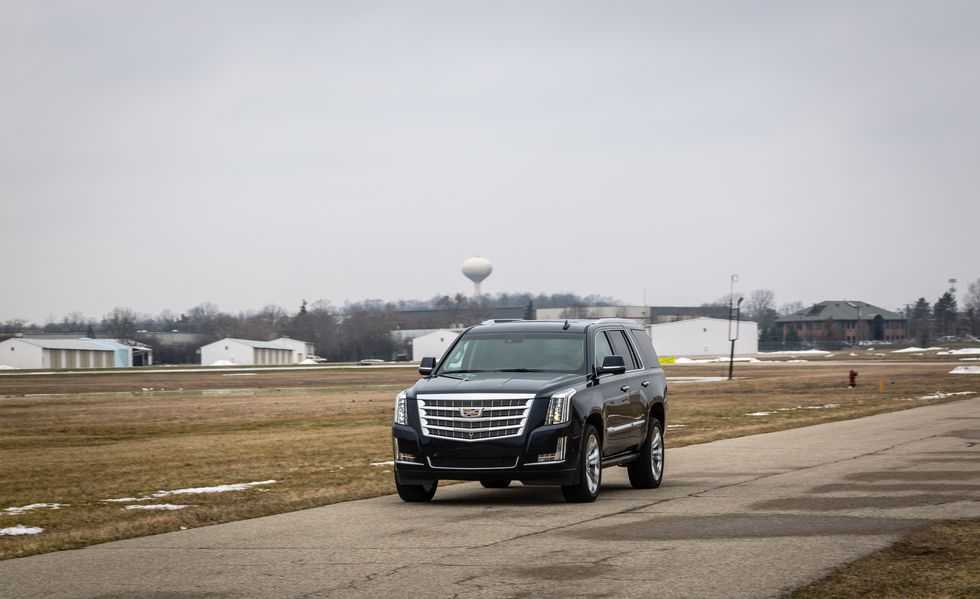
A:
477	269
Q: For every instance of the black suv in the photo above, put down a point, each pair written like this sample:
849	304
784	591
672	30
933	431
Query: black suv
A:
542	402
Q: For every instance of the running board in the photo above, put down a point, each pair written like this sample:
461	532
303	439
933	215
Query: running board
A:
620	459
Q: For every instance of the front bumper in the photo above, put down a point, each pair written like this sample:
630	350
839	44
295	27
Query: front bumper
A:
513	458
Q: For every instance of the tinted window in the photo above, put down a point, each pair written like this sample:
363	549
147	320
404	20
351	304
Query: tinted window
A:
622	348
517	351
645	346
602	348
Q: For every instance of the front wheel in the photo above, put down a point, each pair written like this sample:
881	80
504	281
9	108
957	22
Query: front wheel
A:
590	469
417	493
647	472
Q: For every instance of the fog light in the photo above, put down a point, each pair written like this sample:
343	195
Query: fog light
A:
404	456
557	456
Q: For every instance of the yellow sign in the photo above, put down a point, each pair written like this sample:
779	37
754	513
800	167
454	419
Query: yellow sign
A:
667	359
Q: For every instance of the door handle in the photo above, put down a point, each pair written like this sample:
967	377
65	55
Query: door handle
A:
624	388
645	383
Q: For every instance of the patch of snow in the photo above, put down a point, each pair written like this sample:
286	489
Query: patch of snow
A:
20	529
308	361
802	352
797	361
239	374
126	499
158	506
827	406
914	349
13	511
5	367
966	351
969	359
388	463
222	363
670	426
760	413
214	489
852	354
938	395
965	370
717	360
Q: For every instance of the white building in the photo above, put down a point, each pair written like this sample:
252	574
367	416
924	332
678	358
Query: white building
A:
302	350
433	345
245	352
32	353
703	337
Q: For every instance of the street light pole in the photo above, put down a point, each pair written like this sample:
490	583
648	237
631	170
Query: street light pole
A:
734	338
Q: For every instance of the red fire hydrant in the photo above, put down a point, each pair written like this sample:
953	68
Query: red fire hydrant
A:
852	377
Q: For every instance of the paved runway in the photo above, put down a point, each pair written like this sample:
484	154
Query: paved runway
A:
748	517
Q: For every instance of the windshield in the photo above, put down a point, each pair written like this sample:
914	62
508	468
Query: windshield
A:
517	352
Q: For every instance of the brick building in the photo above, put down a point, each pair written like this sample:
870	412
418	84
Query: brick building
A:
844	321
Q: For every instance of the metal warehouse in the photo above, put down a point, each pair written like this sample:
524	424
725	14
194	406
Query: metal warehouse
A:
246	352
31	353
703	337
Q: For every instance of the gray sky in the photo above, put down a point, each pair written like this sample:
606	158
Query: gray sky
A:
160	154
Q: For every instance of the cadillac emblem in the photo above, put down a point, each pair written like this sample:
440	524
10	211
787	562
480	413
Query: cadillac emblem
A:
471	412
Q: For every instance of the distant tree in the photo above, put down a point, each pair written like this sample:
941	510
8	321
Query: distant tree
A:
120	323
919	322
529	313
761	307
972	299
90	332
791	308
944	313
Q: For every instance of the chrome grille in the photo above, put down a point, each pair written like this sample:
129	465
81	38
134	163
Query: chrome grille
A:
474	416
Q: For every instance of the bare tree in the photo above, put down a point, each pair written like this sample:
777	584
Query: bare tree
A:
791	308
972	299
120	323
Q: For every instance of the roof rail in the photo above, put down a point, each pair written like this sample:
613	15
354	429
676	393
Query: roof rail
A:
501	320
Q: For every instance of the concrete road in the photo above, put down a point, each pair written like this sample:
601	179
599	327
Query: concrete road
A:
748	517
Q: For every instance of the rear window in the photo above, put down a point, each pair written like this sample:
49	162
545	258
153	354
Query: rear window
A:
644	345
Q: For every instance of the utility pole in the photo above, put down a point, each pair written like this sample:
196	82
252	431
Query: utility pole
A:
857	326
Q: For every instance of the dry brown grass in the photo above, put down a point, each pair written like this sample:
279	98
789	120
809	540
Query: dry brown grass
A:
317	434
942	560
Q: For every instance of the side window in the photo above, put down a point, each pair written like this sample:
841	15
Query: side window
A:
621	348
602	348
645	346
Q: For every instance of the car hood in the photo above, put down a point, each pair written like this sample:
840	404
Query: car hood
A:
497	382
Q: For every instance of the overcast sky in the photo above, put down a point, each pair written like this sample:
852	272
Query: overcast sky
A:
161	154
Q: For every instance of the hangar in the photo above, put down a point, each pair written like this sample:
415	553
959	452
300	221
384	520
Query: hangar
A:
433	344
703	337
302	350
38	353
245	352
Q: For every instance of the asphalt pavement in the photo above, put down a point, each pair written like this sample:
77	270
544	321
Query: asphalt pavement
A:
748	517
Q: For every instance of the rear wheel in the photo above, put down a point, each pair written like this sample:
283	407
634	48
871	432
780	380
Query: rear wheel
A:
495	484
590	469
417	493
648	471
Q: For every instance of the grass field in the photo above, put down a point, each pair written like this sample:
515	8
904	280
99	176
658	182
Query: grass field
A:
322	435
942	560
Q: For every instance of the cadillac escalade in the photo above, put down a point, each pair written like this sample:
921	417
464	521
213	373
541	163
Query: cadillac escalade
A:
541	402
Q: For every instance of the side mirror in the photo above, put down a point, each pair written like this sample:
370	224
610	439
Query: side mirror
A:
612	365
426	366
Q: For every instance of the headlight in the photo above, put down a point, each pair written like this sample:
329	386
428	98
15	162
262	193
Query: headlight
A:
560	408
401	408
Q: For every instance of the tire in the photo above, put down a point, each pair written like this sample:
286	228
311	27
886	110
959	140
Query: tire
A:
417	493
495	484
648	471
590	469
